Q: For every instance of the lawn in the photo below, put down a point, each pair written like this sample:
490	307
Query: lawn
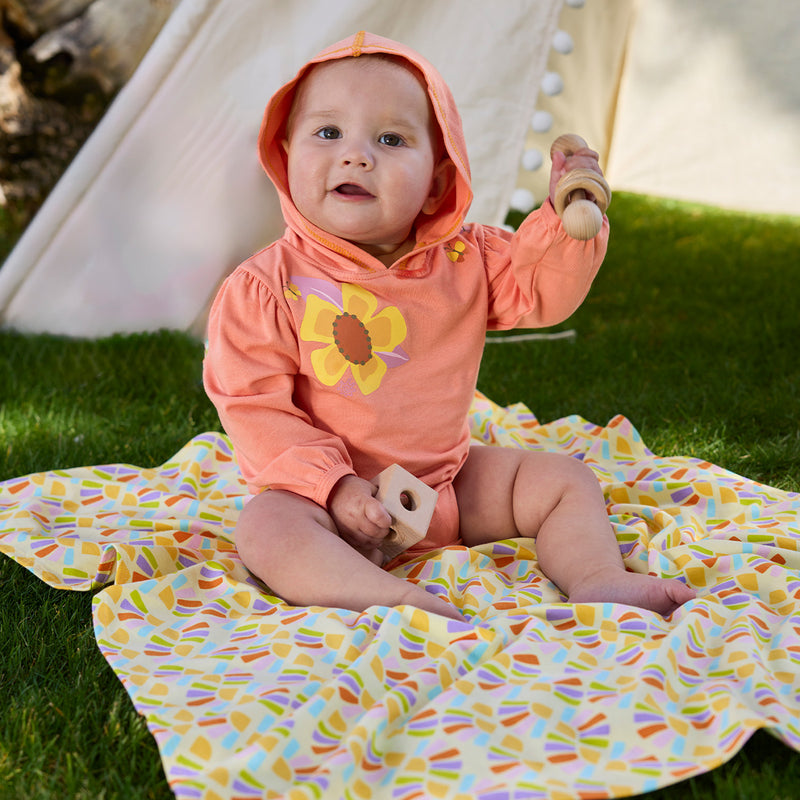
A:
690	331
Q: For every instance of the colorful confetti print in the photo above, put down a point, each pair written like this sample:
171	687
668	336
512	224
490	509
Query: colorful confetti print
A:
531	698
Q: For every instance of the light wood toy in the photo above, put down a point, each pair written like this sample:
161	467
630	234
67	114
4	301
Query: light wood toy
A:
582	218
410	502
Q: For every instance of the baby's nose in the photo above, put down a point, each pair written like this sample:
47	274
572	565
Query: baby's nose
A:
357	156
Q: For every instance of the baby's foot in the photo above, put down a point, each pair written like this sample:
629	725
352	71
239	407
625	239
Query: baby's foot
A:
662	595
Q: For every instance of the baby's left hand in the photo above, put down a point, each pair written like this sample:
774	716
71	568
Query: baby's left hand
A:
360	518
585	158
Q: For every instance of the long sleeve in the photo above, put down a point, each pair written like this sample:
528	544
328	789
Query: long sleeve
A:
543	276
249	373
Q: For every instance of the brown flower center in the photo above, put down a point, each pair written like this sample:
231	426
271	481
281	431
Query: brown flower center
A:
352	339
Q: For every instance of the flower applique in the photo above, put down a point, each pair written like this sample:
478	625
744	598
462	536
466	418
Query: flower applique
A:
357	336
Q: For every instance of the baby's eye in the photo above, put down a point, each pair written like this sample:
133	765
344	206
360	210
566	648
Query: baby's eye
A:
391	139
328	132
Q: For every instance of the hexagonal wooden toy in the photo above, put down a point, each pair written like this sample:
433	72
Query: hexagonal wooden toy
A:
410	502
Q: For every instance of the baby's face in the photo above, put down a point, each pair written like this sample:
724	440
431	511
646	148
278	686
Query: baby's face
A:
360	152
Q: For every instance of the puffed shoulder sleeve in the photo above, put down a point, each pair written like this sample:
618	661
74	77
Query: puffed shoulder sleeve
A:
539	275
249	371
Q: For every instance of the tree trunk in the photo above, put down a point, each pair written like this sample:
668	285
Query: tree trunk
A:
61	63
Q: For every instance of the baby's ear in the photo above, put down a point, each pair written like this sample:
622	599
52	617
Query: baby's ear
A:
444	176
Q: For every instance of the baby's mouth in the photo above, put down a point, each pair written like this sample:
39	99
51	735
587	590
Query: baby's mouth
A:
352	190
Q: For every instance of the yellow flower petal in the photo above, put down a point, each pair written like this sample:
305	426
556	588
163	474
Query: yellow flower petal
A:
369	376
387	329
317	325
358	301
329	364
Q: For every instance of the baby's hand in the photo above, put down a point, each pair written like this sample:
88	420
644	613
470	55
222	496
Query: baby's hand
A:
585	158
360	518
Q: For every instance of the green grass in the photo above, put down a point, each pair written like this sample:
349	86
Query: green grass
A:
133	399
67	728
691	331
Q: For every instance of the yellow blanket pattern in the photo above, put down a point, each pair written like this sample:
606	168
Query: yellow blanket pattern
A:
531	698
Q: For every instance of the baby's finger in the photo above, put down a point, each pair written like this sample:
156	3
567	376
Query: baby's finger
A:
376	557
559	159
369	532
583	159
359	541
376	513
587	152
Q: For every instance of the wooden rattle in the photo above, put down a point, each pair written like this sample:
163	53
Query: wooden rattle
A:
410	502
582	218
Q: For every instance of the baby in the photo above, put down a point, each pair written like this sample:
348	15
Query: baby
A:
354	343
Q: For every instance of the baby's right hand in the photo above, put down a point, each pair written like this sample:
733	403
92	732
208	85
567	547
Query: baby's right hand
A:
582	158
360	518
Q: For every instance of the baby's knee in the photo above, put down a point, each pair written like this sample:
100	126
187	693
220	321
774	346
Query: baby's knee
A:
576	470
271	516
559	475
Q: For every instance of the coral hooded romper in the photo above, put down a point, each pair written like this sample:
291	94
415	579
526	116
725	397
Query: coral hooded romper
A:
323	362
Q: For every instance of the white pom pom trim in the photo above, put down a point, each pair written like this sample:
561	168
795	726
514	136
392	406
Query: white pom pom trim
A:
522	200
532	159
562	43
542	121
552	84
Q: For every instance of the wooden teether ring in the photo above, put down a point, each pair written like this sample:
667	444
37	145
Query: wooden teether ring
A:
582	218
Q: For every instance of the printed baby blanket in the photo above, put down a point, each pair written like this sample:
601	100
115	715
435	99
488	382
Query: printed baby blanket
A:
531	698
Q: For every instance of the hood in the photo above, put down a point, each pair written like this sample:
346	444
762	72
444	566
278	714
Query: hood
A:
442	225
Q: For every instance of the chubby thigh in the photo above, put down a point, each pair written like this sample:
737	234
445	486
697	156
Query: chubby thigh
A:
506	493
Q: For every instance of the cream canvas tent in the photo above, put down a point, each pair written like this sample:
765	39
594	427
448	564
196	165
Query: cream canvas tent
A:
692	100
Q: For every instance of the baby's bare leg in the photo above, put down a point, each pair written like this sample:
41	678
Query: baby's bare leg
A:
292	545
506	493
